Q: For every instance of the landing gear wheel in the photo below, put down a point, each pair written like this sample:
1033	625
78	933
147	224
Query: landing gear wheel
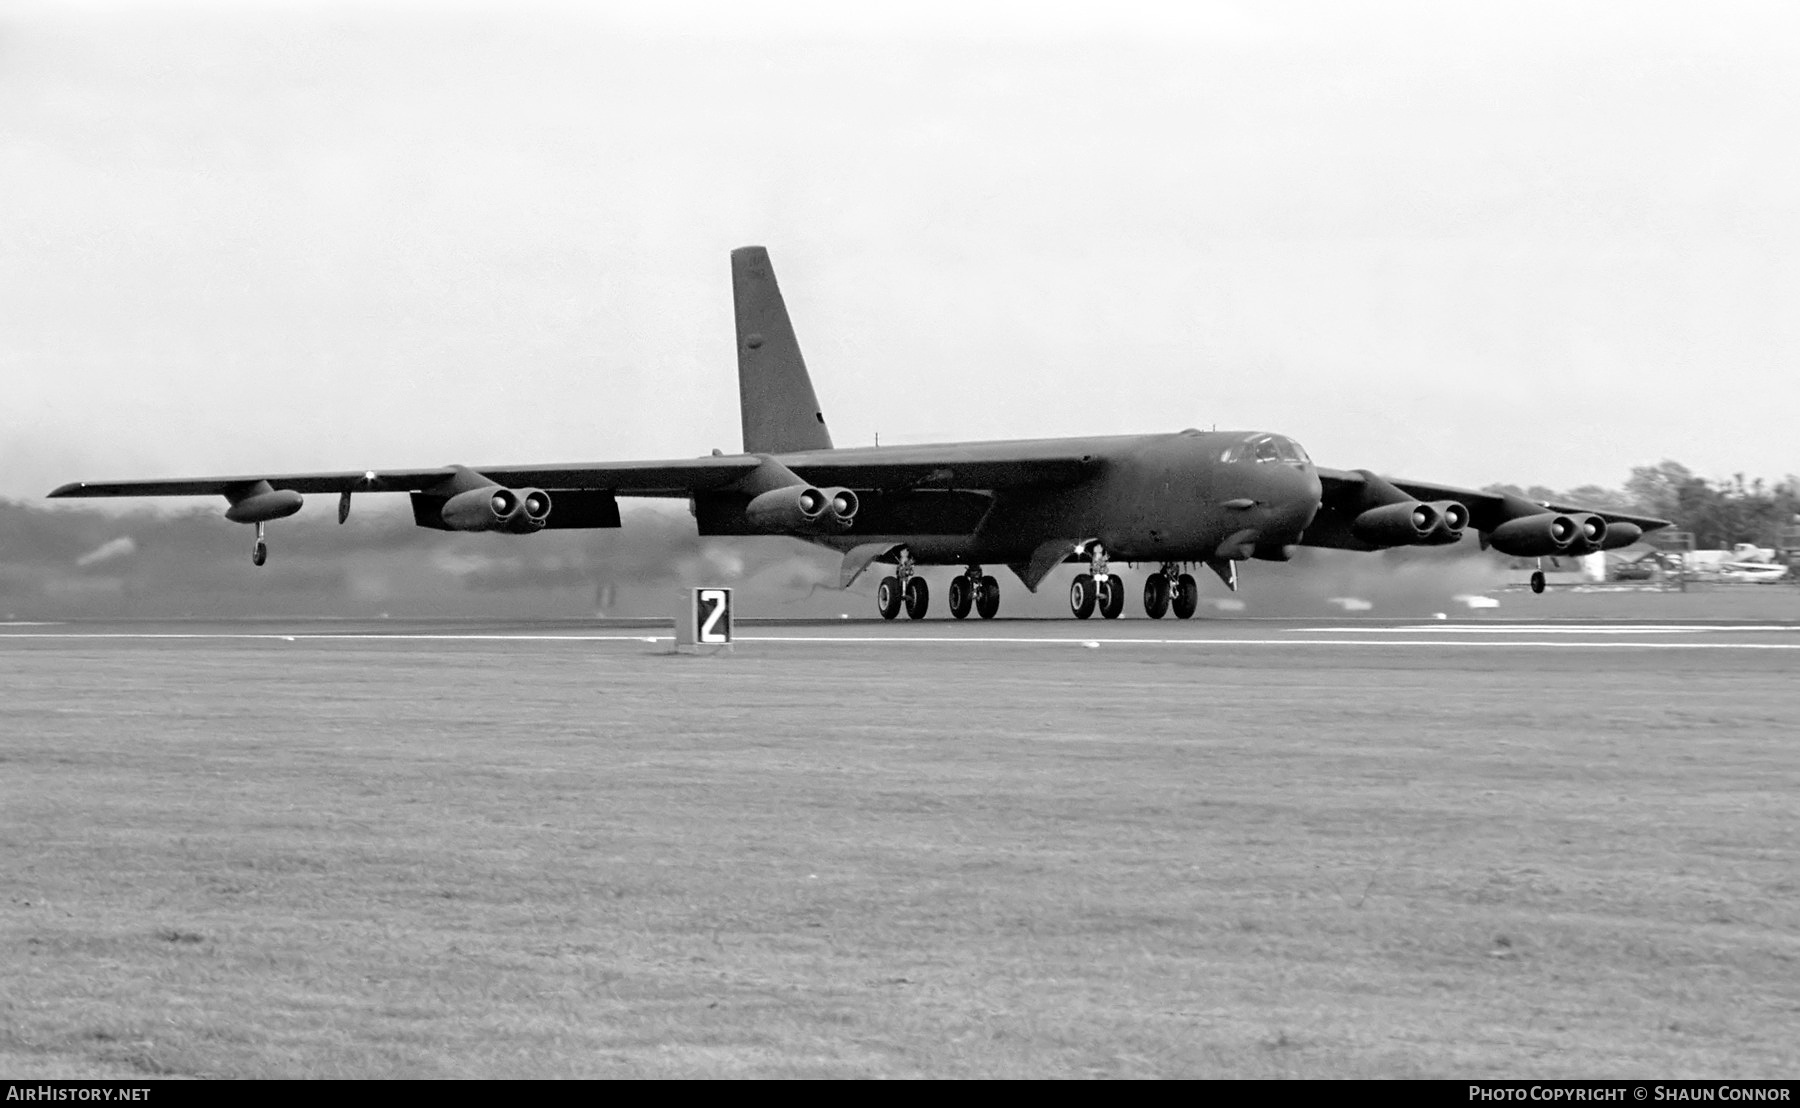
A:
1112	596
962	596
259	553
918	598
1156	595
1537	580
987	602
887	597
1186	598
1082	595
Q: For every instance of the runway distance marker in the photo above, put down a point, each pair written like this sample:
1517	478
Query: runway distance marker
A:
705	626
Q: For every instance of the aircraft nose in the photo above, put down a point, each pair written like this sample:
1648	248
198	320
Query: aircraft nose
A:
1313	491
1296	499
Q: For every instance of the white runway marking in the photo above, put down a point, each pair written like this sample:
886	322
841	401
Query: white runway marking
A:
1546	629
272	636
1272	642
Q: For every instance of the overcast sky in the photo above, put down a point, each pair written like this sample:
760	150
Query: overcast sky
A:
1535	243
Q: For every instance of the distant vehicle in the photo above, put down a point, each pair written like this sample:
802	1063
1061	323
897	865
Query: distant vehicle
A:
1168	500
1759	573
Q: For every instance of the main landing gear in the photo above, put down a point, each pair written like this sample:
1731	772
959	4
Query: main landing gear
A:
973	590
1097	588
904	588
260	552
1169	588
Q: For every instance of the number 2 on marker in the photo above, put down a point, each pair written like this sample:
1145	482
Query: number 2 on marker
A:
714	604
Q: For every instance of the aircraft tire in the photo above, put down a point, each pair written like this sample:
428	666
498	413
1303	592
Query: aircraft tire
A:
887	597
1537	581
1082	596
1156	596
962	597
259	554
987	605
1186	598
918	598
1112	596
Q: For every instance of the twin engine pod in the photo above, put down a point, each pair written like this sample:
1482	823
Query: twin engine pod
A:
497	509
1547	534
804	509
1412	523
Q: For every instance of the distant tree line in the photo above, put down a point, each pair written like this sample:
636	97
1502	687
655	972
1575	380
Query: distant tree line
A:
1719	513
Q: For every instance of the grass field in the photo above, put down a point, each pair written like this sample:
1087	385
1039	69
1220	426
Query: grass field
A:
341	859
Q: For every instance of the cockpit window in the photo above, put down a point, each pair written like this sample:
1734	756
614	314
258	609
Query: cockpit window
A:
1263	449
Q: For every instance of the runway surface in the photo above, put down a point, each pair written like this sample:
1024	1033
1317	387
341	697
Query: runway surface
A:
1238	847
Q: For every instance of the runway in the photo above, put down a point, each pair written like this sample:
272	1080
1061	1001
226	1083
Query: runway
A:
847	848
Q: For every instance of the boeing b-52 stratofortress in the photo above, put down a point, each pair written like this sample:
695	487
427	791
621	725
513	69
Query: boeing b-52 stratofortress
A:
1212	498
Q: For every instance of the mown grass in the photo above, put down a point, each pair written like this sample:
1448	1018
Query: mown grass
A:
530	859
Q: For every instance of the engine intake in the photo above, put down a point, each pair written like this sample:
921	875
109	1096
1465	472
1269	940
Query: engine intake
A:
1590	534
841	507
1452	518
534	511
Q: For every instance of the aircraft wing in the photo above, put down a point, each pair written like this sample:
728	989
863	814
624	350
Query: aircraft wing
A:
664	478
1342	490
960	466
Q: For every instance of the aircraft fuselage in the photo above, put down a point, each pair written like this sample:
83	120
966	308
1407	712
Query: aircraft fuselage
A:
1187	496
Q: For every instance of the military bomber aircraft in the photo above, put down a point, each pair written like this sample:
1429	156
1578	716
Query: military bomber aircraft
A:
1175	500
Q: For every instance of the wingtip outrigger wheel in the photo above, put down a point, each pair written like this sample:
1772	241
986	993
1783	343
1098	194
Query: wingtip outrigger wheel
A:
260	552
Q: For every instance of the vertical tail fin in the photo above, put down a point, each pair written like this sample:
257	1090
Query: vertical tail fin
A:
775	396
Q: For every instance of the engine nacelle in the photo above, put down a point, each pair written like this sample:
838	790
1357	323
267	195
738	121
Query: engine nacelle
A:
263	504
794	508
1402	524
1537	536
491	508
